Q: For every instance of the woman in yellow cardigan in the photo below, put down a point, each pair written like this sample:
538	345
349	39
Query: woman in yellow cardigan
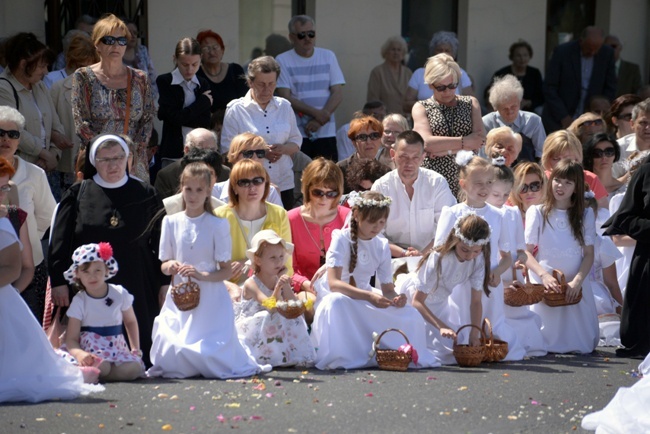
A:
248	213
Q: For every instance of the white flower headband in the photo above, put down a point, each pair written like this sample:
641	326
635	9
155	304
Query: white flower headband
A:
464	157
355	199
499	161
471	243
589	194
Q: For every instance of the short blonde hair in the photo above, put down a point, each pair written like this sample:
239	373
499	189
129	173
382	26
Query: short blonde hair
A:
440	66
107	25
250	169
244	141
496	135
557	143
393	40
576	126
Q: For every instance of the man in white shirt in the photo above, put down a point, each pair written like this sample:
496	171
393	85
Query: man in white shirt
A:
418	198
639	140
312	81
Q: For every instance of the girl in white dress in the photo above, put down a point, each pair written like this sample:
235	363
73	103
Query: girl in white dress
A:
464	257
525	323
272	338
475	178
564	233
350	311
96	314
196	244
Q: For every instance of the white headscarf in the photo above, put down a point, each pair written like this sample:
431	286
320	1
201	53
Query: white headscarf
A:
103	139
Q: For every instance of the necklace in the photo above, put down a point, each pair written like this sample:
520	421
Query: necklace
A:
320	246
218	72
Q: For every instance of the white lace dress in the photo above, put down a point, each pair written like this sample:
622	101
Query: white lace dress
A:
202	341
272	338
343	327
566	329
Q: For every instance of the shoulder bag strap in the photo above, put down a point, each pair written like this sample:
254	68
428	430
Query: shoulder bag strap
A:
127	115
15	93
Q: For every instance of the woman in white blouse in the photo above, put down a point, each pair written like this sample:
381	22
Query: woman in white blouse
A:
270	117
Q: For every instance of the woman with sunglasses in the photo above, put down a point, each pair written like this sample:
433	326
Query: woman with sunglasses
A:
528	188
366	133
599	155
110	97
226	79
586	125
248	212
270	117
242	147
447	122
619	117
312	224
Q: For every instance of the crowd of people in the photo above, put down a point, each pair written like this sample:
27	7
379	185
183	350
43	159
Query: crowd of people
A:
419	214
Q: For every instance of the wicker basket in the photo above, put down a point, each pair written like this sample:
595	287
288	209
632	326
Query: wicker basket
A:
186	295
291	312
555	299
467	355
518	294
495	349
392	360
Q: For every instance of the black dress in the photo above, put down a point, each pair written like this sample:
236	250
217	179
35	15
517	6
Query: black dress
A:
233	86
85	217
633	219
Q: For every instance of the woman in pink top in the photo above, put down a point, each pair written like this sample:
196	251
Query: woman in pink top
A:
312	224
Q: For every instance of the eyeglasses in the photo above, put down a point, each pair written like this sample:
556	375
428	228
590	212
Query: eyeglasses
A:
311	34
625	117
12	134
533	186
607	152
365	137
5	188
108	161
596	122
261	153
208	48
443	87
111	40
332	194
245	183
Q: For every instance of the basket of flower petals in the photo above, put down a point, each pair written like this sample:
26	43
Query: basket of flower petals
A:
290	309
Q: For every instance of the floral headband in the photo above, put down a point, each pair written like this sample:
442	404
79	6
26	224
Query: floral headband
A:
91	253
471	243
355	199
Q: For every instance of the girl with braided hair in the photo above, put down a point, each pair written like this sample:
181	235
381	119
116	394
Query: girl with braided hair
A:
349	309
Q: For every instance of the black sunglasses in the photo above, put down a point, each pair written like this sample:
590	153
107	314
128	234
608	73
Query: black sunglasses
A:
607	152
590	123
261	153
302	35
366	137
533	186
328	194
245	183
625	117
12	134
443	87
111	40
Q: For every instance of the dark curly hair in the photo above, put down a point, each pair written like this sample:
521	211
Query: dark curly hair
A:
361	169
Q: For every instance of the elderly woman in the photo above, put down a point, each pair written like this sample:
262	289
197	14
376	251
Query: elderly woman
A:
564	144
185	99
447	122
619	117
246	146
530	78
312	223
270	117
248	212
123	211
586	125
365	132
506	95
226	79
81	52
21	86
394	124
34	197
419	88
599	155
504	142
110	97
388	82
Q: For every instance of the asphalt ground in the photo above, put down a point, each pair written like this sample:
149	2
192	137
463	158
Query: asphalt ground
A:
548	394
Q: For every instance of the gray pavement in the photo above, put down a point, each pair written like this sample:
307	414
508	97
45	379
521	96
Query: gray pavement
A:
549	394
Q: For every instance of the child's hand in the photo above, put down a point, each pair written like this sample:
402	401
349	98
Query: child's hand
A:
173	267
190	271
572	291
237	268
447	333
85	359
474	339
284	287
399	301
494	280
379	301
549	282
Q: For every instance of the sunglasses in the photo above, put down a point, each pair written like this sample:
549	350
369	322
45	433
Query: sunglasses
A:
443	87
12	134
607	152
597	122
111	40
533	186
302	35
365	137
5	188
625	117
245	183
261	153
328	194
